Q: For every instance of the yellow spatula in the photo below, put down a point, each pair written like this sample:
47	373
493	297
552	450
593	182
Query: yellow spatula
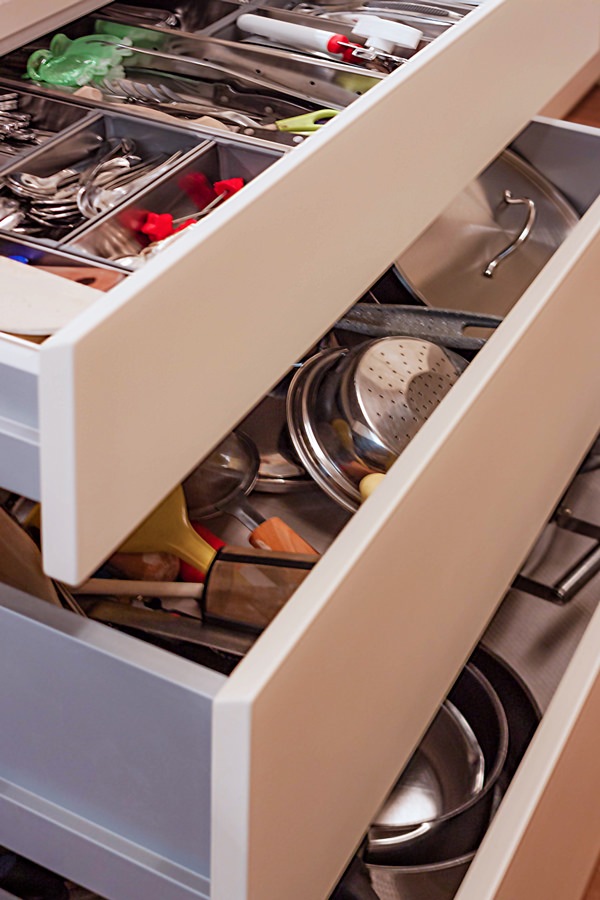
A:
168	529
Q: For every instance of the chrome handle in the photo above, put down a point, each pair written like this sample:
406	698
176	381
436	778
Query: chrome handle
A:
520	239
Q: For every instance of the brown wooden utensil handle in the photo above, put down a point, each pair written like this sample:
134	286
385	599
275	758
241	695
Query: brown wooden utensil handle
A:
274	534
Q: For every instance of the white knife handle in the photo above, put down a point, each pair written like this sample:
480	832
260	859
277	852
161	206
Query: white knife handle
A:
289	33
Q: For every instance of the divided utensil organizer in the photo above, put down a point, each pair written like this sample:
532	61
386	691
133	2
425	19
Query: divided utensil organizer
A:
140	774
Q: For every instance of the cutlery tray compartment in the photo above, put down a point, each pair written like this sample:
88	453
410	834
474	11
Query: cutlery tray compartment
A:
181	193
185	16
48	115
147	141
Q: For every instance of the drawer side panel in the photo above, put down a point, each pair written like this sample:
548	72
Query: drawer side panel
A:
92	717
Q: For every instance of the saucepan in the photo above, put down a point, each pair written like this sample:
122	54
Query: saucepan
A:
455	829
352	412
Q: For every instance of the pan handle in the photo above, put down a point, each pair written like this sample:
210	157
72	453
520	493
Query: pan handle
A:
520	239
440	326
568	585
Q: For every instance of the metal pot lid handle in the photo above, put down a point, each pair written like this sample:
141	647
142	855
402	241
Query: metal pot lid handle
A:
520	239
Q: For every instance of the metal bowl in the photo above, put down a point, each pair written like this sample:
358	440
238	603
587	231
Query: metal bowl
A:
434	881
457	832
446	771
352	412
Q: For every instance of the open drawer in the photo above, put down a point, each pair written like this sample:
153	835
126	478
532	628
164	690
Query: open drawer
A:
178	777
200	335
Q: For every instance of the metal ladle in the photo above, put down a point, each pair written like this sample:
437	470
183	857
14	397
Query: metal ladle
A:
221	483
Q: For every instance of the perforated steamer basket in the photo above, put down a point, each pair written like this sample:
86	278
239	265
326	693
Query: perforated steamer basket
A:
351	412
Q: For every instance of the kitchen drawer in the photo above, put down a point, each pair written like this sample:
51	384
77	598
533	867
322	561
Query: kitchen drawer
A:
209	326
153	776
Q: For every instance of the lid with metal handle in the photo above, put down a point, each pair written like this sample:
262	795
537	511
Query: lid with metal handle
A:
489	244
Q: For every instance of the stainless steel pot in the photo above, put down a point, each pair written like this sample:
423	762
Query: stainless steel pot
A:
489	244
351	412
458	832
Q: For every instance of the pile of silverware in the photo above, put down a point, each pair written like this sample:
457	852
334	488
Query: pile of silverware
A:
53	205
16	128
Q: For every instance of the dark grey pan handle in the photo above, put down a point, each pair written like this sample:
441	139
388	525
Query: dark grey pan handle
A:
440	326
576	578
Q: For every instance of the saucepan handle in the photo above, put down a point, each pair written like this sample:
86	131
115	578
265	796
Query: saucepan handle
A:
575	579
440	326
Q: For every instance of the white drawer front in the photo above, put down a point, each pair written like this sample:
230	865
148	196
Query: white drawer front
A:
135	391
393	610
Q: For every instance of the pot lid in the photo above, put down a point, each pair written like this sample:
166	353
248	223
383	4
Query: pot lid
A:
461	260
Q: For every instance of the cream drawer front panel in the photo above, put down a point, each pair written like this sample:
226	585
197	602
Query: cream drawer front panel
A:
187	345
544	840
394	608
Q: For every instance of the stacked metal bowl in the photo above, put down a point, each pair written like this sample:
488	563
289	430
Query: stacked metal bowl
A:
425	835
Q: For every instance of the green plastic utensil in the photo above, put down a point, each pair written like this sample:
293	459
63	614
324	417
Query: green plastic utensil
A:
306	123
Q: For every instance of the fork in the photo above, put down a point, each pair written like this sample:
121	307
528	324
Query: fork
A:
162	97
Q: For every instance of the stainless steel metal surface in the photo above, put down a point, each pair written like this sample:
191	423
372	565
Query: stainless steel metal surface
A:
446	770
279	471
436	881
265	70
350	413
441	326
228	473
446	267
320	82
457	831
187	15
117	236
521	237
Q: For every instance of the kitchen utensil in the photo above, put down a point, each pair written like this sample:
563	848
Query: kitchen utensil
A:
381	37
168	529
369	483
523	714
21	562
417	9
568	585
246	588
142	15
351	413
441	326
28	307
220	483
167	625
458	831
429	881
91	276
490	242
122	587
279	470
445	771
161	96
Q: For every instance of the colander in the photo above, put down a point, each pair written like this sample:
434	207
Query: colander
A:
351	412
